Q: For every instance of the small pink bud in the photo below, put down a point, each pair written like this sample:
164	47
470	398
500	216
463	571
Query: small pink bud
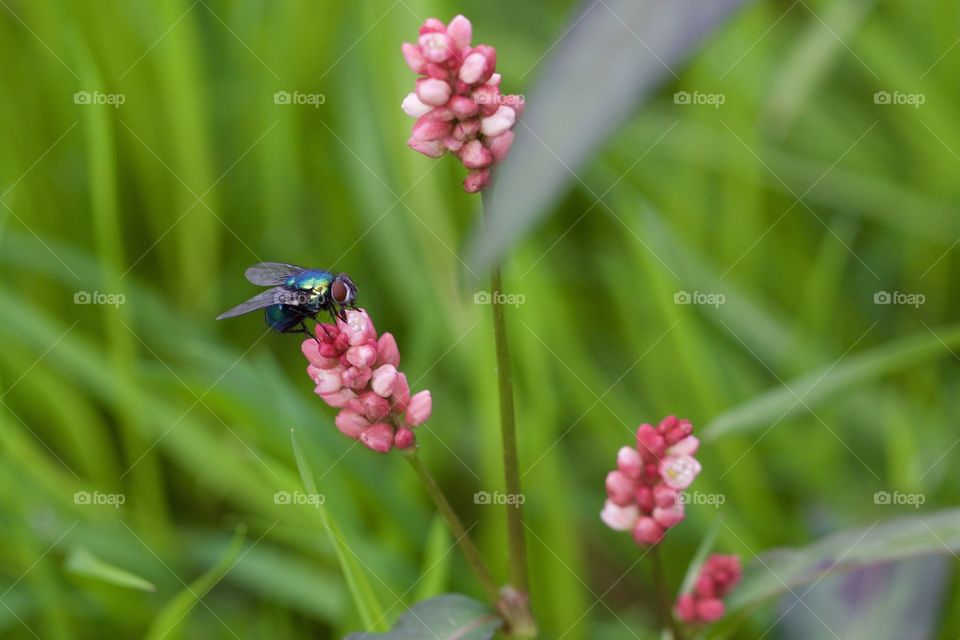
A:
619	518
350	423
650	444
664	495
500	145
704	587
431	149
339	399
358	328
475	156
373	406
685	447
487	98
430	127
647	531
463	107
644	498
436	47
311	350
328	350
414	107
710	610
479	65
362	355
387	351
403	438
686	608
419	409
378	437
327	380
453	144
438	71
383	381
666	517
432	25
494	80
679	471
433	92
415	59
629	462
620	488
460	31
466	129
499	122
401	393
477	180
356	377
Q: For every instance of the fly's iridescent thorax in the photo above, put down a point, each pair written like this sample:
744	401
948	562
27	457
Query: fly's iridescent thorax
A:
315	284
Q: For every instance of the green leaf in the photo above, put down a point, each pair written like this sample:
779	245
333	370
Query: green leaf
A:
814	388
81	561
648	39
448	617
175	612
371	613
781	570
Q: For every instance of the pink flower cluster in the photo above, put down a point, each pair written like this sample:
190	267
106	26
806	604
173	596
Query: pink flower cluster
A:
718	576
356	372
643	492
457	102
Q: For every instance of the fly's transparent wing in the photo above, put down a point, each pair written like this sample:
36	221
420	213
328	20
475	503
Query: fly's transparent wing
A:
271	273
276	295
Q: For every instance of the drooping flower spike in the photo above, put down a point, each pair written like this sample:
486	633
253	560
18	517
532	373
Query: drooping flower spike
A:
718	576
457	101
355	371
643	493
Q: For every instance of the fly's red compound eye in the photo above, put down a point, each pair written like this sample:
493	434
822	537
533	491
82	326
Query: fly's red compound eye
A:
339	291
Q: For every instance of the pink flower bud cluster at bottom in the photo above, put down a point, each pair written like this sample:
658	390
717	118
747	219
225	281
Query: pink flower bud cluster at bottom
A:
643	492
457	101
355	371
718	576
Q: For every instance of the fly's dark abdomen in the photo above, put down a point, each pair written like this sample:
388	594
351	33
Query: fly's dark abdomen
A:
282	318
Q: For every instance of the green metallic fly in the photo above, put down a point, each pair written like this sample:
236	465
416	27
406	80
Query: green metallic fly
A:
296	294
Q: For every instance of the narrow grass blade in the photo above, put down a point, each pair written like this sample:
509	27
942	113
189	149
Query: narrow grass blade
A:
81	561
371	612
168	622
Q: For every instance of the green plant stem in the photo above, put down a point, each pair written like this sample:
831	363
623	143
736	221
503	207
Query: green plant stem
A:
663	595
508	429
456	526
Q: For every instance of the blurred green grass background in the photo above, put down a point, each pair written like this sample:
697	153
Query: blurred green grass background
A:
798	199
